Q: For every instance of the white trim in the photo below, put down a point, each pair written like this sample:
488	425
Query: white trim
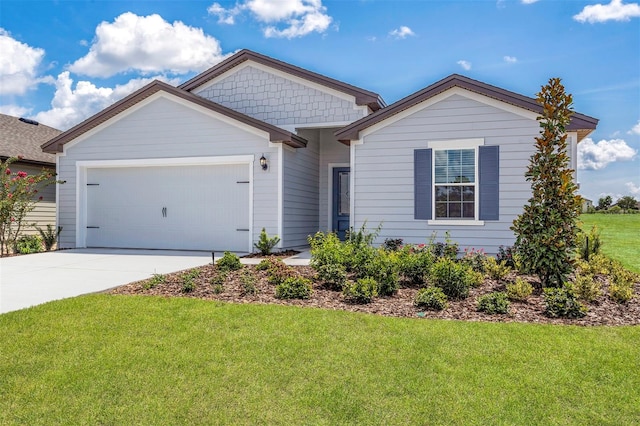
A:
330	167
573	153
57	198
441	97
280	193
83	166
265	68
164	95
456	222
302	126
455	143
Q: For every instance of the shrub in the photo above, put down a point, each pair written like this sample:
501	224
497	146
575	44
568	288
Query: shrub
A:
475	259
229	262
248	283
453	278
587	288
506	255
364	290
266	244
28	244
383	267
189	280
269	263
448	249
49	236
392	244
589	244
279	272
294	288
475	279
496	270
563	303
414	263
519	290
494	303
333	275
431	298
326	249
620	293
598	264
155	280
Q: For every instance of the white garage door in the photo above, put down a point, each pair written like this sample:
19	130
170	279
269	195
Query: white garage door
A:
169	207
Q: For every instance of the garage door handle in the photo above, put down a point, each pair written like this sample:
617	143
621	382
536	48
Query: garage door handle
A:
93	227
242	229
164	212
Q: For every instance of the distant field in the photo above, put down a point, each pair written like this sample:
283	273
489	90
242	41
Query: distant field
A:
620	234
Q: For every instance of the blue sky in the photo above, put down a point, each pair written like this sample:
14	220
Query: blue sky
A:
62	61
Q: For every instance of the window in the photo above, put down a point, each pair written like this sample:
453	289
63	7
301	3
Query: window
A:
457	182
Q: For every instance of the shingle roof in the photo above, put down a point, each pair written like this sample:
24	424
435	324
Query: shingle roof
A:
276	134
363	97
580	123
19	138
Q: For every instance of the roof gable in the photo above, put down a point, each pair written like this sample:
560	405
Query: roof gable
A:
580	123
23	138
362	96
276	134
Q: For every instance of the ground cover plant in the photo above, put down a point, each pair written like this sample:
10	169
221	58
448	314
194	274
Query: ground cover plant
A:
105	359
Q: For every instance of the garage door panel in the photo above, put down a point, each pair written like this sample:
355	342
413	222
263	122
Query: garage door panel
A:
194	208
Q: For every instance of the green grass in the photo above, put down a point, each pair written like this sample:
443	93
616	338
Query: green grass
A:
104	359
620	234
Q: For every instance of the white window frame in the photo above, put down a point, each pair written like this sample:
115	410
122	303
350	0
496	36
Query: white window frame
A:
455	144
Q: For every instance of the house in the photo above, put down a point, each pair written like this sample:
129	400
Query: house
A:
22	137
256	143
587	205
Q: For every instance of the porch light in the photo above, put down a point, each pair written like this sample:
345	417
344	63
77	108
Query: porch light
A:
263	163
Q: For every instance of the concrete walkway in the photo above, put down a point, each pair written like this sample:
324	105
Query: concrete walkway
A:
38	278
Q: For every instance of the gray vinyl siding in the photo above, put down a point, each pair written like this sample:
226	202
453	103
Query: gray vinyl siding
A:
331	151
44	212
166	129
384	171
279	101
300	191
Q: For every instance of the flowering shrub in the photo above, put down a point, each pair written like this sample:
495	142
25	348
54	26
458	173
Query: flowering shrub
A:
18	196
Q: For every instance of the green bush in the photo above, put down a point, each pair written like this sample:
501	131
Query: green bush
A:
49	236
266	244
453	278
496	270
507	254
392	244
448	249
28	244
189	280
383	267
326	249
620	293
494	303
431	298
333	275
279	272
588	244
587	288
562	303
475	259
229	262
414	262
519	290
364	290
294	288
155	280
248	282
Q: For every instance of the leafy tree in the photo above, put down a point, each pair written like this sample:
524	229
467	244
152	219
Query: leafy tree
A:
627	203
604	202
18	196
546	230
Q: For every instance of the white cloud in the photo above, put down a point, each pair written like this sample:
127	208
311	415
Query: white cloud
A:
614	11
466	65
284	18
635	130
402	32
528	1
14	110
510	59
147	44
71	106
633	189
19	65
596	156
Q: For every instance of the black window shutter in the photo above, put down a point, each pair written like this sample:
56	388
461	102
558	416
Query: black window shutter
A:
422	184
489	172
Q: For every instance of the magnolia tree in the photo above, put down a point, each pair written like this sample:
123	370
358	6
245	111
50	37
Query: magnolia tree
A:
18	196
546	231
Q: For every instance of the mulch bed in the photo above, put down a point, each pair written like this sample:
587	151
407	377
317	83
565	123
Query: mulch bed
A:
602	312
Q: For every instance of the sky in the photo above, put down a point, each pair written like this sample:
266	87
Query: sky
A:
62	61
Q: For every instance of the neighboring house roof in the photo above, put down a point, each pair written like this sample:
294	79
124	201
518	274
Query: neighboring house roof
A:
581	123
363	97
276	134
23	138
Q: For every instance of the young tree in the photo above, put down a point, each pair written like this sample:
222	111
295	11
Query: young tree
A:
18	196
627	203
605	202
546	230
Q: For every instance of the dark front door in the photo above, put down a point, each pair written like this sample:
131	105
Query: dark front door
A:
341	201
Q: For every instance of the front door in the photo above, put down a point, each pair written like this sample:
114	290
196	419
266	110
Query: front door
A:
341	201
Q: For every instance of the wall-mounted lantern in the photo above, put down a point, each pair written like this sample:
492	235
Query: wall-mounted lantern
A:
263	163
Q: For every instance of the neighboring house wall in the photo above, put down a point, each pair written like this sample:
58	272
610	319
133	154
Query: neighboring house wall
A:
163	128
332	152
384	172
44	212
300	191
259	92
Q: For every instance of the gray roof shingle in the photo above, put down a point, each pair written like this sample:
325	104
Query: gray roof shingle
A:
18	138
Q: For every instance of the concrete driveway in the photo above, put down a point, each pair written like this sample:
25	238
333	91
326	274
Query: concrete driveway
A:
38	278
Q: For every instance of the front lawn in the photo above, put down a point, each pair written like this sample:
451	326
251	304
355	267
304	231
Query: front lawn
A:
620	234
106	359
